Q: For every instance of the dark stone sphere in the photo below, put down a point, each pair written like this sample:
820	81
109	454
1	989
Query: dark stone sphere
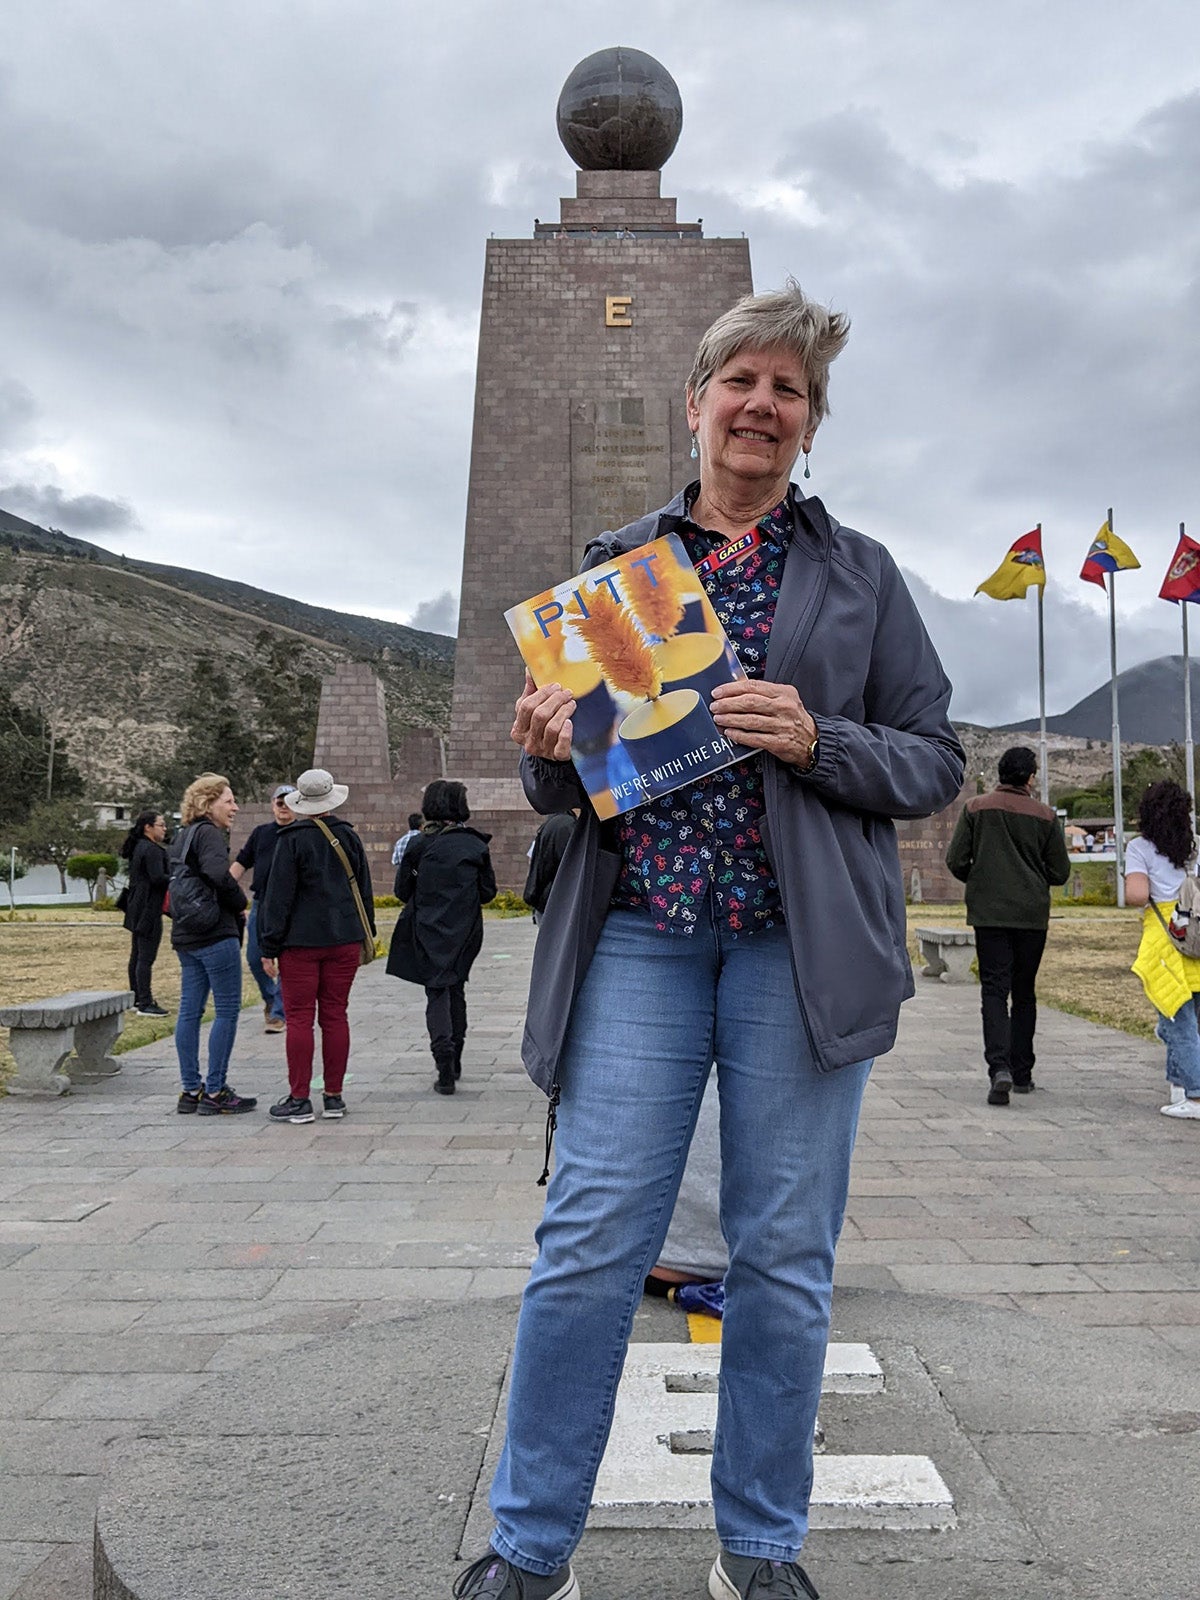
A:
620	111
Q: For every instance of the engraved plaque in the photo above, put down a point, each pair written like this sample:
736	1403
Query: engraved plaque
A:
620	463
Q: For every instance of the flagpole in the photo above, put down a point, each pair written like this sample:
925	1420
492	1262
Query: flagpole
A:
1118	808
1189	748
1045	786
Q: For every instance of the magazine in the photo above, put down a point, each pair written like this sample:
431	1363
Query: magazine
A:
637	643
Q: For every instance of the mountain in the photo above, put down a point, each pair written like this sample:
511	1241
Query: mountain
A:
1151	706
107	646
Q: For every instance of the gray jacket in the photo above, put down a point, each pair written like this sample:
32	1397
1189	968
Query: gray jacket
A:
847	634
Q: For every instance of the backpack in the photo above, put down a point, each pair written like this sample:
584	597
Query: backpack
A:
1183	930
194	909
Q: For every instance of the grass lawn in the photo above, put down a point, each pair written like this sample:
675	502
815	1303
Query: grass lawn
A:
1085	970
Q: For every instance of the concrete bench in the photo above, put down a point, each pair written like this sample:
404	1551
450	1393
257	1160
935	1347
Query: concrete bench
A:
947	953
42	1034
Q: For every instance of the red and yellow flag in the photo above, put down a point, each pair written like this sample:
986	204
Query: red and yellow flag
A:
1022	569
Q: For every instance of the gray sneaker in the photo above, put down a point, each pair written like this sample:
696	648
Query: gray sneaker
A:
494	1578
753	1578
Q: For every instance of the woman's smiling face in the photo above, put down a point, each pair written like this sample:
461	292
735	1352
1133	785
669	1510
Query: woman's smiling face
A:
753	418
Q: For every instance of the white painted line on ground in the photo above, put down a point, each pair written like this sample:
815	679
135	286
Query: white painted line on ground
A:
655	1473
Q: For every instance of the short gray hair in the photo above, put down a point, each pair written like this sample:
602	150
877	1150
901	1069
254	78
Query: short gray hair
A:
787	318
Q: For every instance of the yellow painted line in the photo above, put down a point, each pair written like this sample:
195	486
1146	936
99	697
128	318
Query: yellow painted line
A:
703	1328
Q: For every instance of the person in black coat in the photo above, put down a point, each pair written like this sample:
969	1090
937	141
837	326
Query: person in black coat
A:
312	925
209	949
143	848
444	878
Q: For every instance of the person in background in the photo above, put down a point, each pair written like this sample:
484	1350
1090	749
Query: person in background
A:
209	961
444	880
255	857
402	843
149	871
1008	848
1155	865
545	853
318	909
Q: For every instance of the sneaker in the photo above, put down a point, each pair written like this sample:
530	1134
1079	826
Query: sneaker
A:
289	1109
753	1578
225	1103
997	1097
1002	1078
494	1578
151	1011
1182	1108
1176	1094
188	1102
335	1106
275	1025
1024	1088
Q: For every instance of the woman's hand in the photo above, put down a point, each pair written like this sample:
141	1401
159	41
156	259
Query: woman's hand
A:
543	721
765	716
271	967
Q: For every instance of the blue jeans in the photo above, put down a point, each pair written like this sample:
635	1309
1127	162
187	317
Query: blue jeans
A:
269	988
655	1011
1182	1040
216	967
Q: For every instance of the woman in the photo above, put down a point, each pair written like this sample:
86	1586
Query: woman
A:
318	908
143	848
1155	865
445	876
210	957
756	918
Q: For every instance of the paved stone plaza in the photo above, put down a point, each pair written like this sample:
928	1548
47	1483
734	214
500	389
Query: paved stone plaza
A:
1029	1277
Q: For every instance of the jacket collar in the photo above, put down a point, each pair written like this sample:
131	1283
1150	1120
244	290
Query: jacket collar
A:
809	519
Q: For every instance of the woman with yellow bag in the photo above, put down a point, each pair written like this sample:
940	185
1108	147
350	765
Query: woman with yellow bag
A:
1156	865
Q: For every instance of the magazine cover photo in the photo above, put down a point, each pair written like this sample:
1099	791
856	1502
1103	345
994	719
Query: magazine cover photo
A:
637	643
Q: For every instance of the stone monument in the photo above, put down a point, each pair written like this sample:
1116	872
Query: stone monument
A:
587	334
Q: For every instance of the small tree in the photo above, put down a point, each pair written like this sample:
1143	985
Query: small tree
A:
14	868
51	833
87	869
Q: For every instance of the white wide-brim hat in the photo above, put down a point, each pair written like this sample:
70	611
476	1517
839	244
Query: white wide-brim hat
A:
314	793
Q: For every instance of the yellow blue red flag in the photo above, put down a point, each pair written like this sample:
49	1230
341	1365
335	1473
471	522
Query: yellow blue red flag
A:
1022	569
1106	554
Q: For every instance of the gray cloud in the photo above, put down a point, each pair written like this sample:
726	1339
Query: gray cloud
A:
439	615
49	507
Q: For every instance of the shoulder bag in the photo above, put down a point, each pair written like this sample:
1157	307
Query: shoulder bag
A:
368	952
190	901
1183	930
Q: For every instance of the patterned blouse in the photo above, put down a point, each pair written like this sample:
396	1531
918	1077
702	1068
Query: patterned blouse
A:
704	839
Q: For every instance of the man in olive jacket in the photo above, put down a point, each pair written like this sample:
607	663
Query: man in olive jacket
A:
1008	849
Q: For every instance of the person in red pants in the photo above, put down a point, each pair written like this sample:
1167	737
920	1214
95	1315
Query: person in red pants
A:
312	922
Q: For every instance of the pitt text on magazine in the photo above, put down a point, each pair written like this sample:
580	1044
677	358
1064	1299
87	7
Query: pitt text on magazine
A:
637	643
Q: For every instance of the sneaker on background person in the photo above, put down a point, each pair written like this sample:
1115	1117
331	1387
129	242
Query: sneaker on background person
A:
225	1103
291	1109
335	1106
1182	1108
494	1578
152	1010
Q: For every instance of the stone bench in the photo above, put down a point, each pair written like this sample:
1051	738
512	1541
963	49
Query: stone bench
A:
42	1034
947	953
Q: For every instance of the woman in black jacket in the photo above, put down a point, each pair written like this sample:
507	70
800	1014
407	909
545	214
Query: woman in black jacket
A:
208	917
312	923
143	897
444	878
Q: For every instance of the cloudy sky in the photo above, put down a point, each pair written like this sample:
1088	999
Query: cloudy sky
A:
241	250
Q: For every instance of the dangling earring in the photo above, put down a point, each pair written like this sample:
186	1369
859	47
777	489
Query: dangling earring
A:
807	473
695	450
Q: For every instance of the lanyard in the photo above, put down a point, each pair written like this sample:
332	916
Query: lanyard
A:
734	551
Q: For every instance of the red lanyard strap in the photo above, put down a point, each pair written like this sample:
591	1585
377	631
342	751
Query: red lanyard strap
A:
734	551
